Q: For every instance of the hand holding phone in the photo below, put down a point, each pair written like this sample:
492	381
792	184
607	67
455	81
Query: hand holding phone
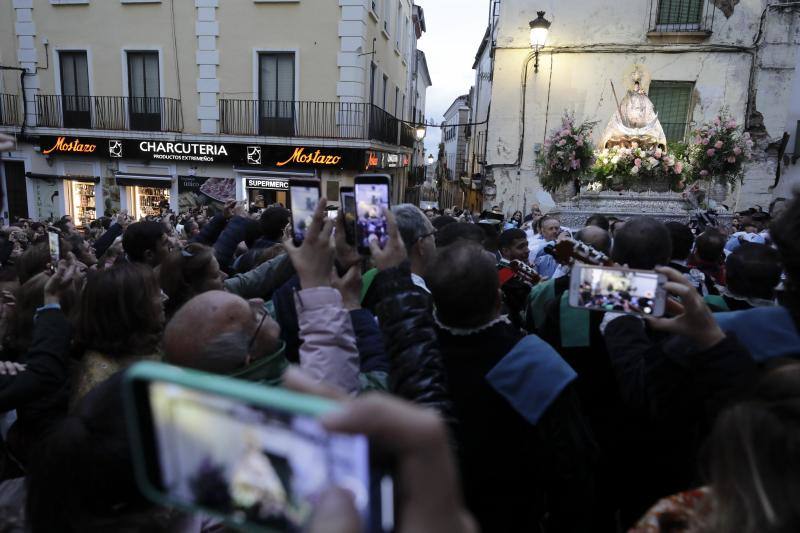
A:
618	289
54	241
313	259
268	462
304	196
372	203
695	319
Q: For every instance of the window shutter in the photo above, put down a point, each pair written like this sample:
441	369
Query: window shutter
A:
671	101
679	11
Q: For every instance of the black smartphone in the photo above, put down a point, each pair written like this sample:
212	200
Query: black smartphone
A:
347	204
303	200
617	289
265	464
372	203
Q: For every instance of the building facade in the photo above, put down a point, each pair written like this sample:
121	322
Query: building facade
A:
697	57
132	104
454	137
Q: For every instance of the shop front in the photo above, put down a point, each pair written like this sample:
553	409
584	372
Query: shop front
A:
145	195
56	195
393	164
195	192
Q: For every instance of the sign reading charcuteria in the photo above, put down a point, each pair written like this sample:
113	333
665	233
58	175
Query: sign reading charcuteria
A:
248	155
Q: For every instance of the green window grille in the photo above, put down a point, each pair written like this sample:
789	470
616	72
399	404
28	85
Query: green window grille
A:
680	12
671	101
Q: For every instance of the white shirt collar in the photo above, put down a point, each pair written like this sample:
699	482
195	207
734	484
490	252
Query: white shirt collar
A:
419	282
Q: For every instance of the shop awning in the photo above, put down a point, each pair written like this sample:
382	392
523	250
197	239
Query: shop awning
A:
57	177
131	179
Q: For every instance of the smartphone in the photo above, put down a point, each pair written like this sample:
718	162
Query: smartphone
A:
617	289
252	455
54	241
372	203
303	200
347	203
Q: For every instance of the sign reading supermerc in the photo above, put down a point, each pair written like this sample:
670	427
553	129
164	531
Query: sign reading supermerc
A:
267	183
183	151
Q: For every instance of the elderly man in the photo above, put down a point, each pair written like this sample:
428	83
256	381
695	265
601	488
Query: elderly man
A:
222	333
418	235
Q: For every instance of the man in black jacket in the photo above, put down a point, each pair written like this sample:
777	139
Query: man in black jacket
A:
526	455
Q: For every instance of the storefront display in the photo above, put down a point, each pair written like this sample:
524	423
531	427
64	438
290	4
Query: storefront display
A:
149	201
81	200
265	191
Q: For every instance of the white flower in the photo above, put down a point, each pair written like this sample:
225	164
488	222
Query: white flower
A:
615	159
652	161
634	170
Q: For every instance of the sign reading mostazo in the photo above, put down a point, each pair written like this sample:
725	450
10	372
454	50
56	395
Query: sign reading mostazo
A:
249	155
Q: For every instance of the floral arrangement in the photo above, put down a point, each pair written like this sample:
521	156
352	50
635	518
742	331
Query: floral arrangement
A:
719	150
635	164
567	155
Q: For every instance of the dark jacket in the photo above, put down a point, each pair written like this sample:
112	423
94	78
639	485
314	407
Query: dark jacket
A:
107	239
371	353
517	476
40	393
211	231
405	314
225	247
675	393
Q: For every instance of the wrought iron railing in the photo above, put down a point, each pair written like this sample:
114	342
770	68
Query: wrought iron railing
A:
109	112
682	16
10	110
326	120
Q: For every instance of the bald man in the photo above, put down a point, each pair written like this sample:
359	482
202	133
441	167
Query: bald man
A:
225	334
596	237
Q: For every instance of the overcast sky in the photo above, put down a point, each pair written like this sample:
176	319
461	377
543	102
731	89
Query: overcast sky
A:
455	29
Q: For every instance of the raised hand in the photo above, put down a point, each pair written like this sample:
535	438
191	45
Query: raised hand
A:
696	321
313	259
394	252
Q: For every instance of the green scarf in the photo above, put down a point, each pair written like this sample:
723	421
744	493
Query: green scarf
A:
267	370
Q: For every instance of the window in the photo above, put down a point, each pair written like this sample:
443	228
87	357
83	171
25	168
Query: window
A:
372	88
143	91
385	85
671	100
680	13
276	94
386	16
403	109
398	22
75	105
396	100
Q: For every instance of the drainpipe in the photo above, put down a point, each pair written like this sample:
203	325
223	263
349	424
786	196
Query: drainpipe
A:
22	74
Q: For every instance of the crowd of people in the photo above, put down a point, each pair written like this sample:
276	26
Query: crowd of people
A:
505	408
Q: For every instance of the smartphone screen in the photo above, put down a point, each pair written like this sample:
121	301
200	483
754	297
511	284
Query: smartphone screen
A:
618	290
348	205
266	467
55	247
304	198
372	203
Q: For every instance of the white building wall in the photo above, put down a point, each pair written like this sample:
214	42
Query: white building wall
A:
603	41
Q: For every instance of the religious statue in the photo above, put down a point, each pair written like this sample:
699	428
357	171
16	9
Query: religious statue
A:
635	120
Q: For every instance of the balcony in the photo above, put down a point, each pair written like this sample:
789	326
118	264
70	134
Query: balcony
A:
10	110
321	120
692	18
109	113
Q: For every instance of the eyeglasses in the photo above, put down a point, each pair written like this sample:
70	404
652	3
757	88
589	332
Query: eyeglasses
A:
426	235
258	329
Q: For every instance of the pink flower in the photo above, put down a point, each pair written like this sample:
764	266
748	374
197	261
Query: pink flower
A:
704	173
731	159
657	154
637	162
698	140
746	135
564	132
634	145
678	167
730	124
575	164
704	141
719	144
562	142
579	142
716	121
710	152
737	150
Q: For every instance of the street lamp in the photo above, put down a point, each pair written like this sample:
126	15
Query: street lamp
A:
419	131
430	159
540	26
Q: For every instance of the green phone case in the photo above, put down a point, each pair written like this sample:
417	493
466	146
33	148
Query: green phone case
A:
250	393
